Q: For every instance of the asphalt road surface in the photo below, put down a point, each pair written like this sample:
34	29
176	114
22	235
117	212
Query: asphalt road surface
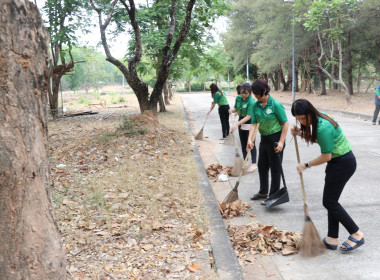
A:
360	198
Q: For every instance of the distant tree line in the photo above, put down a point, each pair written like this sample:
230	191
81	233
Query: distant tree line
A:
335	42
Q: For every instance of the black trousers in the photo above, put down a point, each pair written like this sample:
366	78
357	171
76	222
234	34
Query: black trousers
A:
376	113
269	160
338	171
243	135
224	119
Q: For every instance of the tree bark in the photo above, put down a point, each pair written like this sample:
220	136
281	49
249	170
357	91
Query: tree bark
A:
166	94
359	79
30	244
348	63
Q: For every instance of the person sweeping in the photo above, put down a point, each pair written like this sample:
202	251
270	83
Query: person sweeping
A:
317	127
270	114
243	102
220	98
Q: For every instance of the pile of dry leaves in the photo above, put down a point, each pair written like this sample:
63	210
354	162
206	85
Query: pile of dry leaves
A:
236	208
257	238
214	170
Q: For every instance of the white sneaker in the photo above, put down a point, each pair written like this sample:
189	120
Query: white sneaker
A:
252	168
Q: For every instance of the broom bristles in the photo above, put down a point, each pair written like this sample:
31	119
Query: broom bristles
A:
238	165
312	245
231	197
230	140
199	136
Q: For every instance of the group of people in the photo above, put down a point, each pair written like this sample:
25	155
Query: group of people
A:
311	125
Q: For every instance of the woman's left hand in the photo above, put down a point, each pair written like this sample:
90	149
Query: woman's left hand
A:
279	147
301	167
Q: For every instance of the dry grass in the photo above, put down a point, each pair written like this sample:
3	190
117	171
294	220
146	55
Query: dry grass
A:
128	205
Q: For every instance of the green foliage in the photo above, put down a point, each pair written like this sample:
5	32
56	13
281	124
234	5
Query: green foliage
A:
117	99
131	127
197	86
84	100
239	80
92	72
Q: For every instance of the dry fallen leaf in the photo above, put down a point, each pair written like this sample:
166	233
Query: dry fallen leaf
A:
194	267
197	235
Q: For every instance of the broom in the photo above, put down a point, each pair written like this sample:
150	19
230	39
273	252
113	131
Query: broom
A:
238	163
199	136
230	139
312	245
233	195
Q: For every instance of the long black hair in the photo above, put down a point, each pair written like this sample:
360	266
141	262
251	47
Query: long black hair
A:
214	89
304	107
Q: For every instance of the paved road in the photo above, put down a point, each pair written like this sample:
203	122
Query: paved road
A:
361	198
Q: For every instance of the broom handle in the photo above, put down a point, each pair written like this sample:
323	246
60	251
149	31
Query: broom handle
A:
246	157
205	122
302	183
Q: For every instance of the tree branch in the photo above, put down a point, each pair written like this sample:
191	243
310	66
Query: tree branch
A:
170	35
182	34
136	28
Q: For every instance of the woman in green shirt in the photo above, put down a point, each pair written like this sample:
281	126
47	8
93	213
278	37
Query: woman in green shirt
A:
316	127
243	103
220	98
271	116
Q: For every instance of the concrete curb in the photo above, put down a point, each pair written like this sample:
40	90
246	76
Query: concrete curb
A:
226	262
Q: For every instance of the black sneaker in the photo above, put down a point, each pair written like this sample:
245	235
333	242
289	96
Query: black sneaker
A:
258	196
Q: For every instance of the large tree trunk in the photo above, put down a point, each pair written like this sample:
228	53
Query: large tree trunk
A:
30	244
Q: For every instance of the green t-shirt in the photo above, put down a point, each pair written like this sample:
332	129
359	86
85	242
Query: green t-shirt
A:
243	105
331	139
271	117
220	98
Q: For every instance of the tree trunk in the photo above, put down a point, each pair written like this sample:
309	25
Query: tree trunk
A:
30	244
166	94
162	104
303	84
348	62
359	79
321	79
170	85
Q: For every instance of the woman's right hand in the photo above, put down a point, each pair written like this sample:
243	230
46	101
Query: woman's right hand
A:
295	130
249	145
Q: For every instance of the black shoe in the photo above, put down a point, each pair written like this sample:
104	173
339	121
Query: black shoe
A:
258	196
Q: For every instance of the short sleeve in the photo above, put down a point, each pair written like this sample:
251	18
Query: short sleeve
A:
326	139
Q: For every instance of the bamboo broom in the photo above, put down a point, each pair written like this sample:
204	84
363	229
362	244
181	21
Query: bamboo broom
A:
312	245
233	195
199	136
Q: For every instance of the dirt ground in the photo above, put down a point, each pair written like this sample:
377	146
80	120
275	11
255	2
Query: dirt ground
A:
126	195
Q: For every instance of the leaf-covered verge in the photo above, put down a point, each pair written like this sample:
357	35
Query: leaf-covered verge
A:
126	196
